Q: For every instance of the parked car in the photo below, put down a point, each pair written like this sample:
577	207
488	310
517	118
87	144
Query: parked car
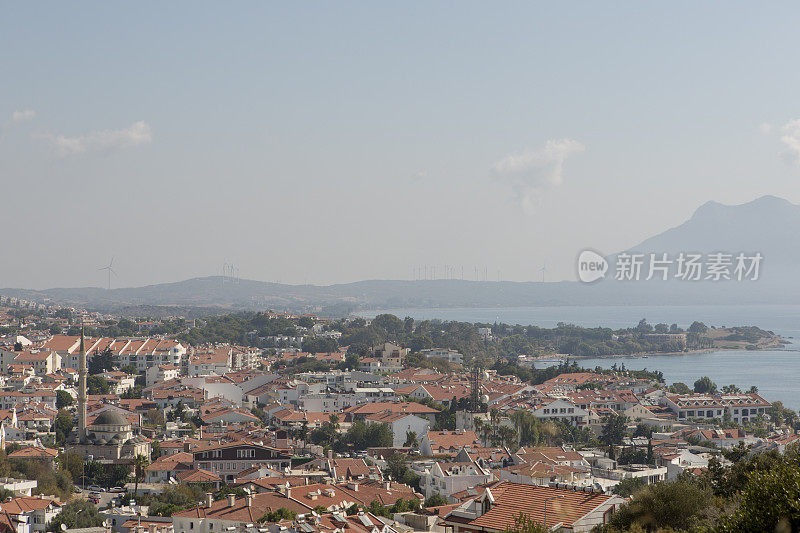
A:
95	488
94	499
117	489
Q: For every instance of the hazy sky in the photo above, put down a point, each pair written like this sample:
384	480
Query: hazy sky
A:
331	142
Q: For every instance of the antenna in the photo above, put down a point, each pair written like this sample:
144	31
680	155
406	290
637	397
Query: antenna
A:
110	271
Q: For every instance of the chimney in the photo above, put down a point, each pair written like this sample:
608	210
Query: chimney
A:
209	500
330	454
231	500
249	500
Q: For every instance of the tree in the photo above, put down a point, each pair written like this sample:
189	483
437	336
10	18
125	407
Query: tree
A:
63	399
389	323
679	505
731	389
769	500
64	424
411	439
101	362
614	430
698	327
139	466
351	361
154	418
681	388
506	435
76	514
279	514
97	385
629	486
704	385
155	450
397	470
435	501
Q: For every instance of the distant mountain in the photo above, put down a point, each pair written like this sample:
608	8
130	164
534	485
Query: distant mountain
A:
768	225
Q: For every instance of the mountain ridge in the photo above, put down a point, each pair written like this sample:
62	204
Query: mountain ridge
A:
768	225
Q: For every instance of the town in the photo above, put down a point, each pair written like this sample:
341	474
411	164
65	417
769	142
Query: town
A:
158	426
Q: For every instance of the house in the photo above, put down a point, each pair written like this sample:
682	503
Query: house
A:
212	362
228	415
741	408
390	355
447	442
159	373
369	364
229	458
452	356
168	467
218	516
360	412
38	510
36	453
564	411
43	362
449	478
119	382
495	509
402	425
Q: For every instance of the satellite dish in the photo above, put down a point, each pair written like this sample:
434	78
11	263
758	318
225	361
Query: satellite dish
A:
63	527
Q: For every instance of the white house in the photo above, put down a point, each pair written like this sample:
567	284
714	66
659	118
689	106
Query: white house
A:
447	479
401	424
564	411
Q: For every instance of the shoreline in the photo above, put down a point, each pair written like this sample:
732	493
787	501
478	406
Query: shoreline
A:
776	344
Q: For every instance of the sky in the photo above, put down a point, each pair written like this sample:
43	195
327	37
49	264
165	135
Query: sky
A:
322	142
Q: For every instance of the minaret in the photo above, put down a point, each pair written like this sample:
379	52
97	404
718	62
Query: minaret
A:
82	390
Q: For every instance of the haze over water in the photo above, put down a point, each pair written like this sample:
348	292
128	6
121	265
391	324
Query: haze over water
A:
776	373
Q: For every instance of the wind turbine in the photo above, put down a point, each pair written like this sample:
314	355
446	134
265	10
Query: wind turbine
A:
110	271
543	270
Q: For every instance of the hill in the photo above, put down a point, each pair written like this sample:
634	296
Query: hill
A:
768	225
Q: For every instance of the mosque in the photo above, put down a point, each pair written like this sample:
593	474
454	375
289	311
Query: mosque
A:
110	436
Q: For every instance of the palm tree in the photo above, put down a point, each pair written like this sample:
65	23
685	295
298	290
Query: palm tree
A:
494	415
139	465
478	422
506	435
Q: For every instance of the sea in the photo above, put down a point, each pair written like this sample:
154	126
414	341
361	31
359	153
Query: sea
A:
776	373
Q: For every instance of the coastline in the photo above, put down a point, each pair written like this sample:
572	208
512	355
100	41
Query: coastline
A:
776	343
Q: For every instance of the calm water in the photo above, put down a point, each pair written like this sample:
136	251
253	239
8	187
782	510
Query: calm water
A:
776	373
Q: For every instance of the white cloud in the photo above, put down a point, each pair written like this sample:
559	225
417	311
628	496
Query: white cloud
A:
791	138
16	118
101	140
765	127
532	172
22	116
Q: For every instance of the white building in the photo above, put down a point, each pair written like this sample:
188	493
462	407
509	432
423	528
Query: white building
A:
564	411
452	356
